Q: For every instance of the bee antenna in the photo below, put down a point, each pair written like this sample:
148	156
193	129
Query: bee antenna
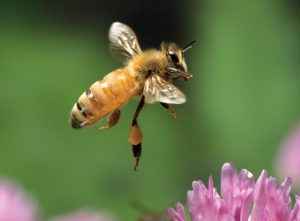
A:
188	46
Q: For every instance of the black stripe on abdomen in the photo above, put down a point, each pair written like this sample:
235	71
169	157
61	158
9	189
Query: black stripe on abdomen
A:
82	111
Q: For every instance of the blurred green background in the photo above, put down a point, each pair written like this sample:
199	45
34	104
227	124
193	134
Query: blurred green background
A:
243	99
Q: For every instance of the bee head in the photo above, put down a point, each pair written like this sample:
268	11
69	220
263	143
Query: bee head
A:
175	55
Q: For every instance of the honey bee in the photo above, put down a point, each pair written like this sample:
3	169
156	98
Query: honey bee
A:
147	74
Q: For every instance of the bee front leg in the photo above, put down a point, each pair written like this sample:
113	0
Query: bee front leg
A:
112	120
136	134
174	73
170	109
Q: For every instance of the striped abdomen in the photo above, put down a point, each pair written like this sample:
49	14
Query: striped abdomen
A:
103	97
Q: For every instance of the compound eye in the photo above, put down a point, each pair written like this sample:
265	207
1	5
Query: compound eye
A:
172	56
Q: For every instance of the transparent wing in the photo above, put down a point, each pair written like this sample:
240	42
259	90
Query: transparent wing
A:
123	42
157	89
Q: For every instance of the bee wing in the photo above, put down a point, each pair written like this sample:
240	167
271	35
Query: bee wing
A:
157	89
123	42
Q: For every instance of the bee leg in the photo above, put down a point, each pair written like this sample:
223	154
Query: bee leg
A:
170	109
174	73
136	134
112	120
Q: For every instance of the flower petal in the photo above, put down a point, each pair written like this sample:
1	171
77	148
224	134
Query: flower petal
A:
228	180
178	214
260	197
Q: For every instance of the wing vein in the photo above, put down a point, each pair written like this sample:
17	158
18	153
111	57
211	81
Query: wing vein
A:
157	89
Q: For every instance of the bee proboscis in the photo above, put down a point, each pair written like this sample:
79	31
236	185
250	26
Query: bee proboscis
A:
147	74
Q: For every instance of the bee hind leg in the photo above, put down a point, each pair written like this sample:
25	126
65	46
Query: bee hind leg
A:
136	134
112	120
169	108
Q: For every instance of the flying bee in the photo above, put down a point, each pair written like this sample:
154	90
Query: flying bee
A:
147	74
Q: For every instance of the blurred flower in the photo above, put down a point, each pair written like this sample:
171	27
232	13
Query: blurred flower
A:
241	199
288	163
83	216
14	205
